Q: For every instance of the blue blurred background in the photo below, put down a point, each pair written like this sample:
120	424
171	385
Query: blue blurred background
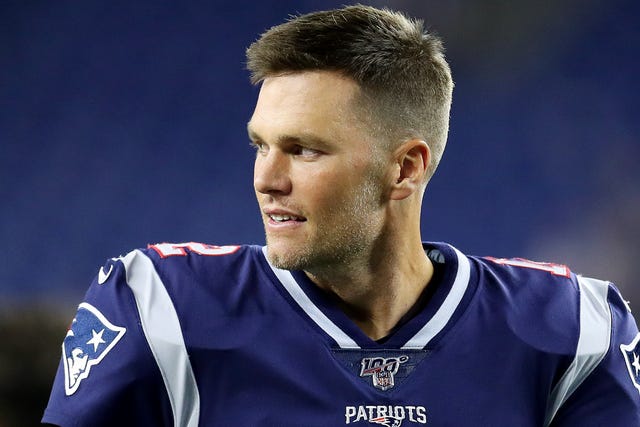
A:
122	123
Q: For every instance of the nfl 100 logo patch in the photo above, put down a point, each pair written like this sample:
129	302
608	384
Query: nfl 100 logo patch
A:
631	353
381	369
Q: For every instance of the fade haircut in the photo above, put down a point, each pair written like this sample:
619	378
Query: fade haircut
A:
405	82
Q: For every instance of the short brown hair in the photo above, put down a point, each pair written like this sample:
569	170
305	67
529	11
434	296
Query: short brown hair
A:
405	82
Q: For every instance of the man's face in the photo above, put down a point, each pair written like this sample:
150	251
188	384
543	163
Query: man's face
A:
77	362
317	178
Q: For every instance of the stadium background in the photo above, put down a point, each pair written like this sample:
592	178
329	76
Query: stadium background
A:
123	123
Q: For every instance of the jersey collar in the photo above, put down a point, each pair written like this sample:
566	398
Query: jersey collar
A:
444	307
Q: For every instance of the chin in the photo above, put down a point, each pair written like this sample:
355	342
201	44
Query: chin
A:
285	257
286	261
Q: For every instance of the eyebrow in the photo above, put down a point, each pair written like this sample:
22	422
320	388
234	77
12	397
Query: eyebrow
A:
252	134
303	138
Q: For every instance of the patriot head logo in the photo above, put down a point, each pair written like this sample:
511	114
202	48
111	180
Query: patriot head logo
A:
387	421
631	353
89	339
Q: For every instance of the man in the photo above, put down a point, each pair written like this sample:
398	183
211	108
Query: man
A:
346	317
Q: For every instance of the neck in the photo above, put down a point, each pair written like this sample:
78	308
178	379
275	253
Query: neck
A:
378	290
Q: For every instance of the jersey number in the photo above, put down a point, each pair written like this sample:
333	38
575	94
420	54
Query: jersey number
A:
555	269
180	249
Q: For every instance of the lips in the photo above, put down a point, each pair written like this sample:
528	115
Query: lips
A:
280	216
283	218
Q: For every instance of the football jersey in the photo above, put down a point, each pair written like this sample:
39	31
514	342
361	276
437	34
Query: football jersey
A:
200	335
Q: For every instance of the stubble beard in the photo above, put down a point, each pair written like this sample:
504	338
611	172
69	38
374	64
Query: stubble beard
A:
335	247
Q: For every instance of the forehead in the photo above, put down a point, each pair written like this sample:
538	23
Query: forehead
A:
308	102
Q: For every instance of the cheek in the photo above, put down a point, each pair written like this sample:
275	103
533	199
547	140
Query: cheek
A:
320	189
334	194
332	187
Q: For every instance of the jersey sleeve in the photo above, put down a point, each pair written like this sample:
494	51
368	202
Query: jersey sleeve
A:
108	374
607	393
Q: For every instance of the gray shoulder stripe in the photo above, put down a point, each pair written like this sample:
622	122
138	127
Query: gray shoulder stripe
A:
593	342
164	335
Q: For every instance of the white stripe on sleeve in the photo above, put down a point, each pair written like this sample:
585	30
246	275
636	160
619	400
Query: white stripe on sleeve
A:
593	342
164	335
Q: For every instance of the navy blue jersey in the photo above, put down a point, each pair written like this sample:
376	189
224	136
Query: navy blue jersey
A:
192	334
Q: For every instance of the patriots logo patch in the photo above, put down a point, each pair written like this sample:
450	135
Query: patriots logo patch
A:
631	353
387	421
89	339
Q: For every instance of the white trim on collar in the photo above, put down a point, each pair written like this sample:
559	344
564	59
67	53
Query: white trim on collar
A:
419	341
296	292
440	319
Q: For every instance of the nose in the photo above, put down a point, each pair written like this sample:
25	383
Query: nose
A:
271	173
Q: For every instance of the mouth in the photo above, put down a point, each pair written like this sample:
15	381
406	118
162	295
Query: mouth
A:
278	217
285	218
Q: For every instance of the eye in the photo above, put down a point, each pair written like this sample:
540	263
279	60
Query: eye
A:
306	152
259	146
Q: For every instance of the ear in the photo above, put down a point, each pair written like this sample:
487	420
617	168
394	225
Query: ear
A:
412	160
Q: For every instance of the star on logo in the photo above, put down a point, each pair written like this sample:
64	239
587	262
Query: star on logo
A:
96	340
636	363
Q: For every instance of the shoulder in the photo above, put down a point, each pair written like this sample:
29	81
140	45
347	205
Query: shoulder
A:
197	260
516	272
546	305
190	252
529	284
586	320
180	275
548	285
554	309
185	270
